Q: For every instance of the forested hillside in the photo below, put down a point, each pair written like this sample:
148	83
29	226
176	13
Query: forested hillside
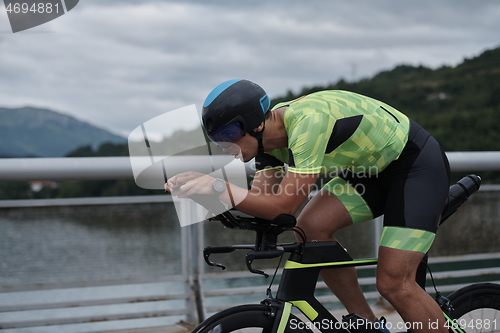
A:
459	105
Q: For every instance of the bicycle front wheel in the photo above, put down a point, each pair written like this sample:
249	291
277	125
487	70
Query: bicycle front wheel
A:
477	308
247	318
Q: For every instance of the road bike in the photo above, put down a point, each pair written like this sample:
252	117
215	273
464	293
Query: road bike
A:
478	303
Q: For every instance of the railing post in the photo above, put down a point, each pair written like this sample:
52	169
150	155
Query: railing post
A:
197	267
378	224
192	245
186	271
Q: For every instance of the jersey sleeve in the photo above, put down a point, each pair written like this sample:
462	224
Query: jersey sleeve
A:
308	135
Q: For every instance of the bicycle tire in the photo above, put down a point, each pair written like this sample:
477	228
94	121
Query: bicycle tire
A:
474	304
240	318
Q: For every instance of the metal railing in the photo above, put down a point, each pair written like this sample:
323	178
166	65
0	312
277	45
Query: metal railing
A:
95	168
198	302
192	276
73	305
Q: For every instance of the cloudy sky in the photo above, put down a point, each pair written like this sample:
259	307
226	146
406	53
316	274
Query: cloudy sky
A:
117	64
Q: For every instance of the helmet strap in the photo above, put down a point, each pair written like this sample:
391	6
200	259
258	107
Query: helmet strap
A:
258	136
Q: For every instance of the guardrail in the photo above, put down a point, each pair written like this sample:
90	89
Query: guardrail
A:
89	303
95	168
195	308
73	305
76	307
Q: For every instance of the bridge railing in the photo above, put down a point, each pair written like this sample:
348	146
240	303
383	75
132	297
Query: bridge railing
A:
190	298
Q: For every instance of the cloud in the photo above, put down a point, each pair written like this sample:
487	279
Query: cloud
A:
117	64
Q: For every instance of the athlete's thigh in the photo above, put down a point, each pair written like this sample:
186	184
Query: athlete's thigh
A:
341	202
323	215
363	196
418	189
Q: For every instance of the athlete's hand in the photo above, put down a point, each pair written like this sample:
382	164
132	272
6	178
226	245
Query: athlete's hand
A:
194	182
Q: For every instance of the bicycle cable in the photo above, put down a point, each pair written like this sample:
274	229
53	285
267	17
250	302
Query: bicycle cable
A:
443	302
268	291
432	278
301	233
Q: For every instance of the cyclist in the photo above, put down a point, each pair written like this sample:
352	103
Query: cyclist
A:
386	165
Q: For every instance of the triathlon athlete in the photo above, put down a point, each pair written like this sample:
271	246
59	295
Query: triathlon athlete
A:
386	165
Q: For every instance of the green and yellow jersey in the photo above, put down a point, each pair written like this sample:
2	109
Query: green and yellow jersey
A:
332	130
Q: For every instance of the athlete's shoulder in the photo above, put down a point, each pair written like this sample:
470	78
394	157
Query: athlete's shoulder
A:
329	97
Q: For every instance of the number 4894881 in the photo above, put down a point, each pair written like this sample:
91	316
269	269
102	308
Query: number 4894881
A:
476	324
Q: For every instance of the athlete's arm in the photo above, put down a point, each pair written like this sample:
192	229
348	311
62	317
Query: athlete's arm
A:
268	180
287	199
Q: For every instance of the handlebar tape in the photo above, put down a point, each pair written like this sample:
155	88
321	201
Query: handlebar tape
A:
219	249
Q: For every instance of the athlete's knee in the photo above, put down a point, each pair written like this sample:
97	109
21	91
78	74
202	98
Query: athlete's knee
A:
313	230
385	281
396	273
392	286
323	216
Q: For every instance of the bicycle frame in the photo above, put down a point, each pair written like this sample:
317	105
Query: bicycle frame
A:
303	270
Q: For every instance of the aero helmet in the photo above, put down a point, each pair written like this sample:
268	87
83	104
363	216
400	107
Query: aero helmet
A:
233	109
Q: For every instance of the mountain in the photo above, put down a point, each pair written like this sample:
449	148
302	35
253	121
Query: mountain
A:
35	132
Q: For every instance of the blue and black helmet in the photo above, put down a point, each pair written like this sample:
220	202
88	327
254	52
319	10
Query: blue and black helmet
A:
233	109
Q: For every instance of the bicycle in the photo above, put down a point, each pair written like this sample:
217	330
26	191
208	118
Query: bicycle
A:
301	271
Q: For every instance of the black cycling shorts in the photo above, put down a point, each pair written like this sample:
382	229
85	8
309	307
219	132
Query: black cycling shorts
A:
410	193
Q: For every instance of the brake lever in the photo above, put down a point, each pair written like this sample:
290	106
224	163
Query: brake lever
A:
212	263
252	255
207	251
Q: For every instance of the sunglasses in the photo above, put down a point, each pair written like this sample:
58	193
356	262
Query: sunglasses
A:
226	135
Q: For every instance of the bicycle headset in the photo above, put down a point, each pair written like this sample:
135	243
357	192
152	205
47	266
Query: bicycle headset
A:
232	109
